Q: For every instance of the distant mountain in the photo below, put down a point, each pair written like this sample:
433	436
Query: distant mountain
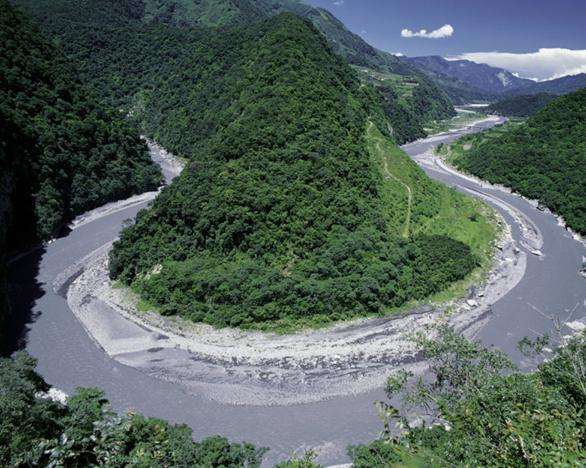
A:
521	106
559	86
483	77
459	91
466	81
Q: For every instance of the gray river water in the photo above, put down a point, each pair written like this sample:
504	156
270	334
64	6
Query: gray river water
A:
68	358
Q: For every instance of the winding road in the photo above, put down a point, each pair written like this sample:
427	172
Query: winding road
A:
68	358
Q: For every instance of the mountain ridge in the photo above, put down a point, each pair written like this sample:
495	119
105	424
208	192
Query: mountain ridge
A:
491	80
542	158
466	80
425	101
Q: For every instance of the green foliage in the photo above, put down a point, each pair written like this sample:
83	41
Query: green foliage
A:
61	153
279	218
74	154
488	413
122	65
521	106
544	158
410	102
307	460
36	431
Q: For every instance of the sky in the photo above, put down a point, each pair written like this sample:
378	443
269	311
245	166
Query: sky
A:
538	39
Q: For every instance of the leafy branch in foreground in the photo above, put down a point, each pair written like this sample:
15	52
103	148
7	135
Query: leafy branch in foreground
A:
479	410
37	431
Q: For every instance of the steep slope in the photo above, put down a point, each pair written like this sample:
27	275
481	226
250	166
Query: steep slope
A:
284	217
544	158
458	91
483	77
409	102
521	106
407	112
559	86
83	28
61	153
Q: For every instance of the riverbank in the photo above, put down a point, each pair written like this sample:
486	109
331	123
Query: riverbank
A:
68	358
253	368
448	156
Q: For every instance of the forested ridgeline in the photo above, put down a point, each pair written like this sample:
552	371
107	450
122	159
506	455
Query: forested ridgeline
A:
410	102
280	218
521	106
543	159
61	151
118	66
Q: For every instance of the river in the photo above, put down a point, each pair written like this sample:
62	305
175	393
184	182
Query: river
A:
68	358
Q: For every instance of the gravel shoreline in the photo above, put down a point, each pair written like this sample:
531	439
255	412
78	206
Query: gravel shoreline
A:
254	368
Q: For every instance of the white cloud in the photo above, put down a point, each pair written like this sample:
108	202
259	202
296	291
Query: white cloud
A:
445	31
339	2
545	64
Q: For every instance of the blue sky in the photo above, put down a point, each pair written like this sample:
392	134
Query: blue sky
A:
535	38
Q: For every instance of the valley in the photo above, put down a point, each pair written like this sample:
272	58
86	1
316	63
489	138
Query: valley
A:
236	233
68	357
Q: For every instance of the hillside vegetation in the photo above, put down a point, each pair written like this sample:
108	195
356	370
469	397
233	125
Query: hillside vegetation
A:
544	158
280	220
520	106
61	152
409	102
93	34
484	411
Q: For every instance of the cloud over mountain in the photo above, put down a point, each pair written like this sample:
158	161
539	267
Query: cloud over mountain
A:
445	31
545	64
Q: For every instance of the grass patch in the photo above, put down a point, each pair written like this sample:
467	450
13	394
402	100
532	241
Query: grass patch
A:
455	215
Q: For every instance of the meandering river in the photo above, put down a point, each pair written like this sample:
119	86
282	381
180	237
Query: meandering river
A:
69	358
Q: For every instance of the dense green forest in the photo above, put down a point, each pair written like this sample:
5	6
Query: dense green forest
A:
280	218
38	431
521	106
96	35
486	412
61	152
544	158
282	187
409	102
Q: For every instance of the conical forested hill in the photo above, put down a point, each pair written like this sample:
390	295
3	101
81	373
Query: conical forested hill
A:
294	208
